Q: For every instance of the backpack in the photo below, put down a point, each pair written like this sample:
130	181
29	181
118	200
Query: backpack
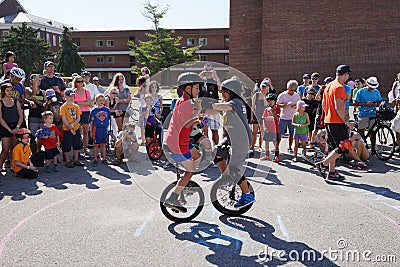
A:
386	111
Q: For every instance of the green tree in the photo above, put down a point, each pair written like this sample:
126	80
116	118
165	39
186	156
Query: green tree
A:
69	60
163	48
31	52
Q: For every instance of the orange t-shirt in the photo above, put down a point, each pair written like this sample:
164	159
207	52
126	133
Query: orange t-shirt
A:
334	90
20	153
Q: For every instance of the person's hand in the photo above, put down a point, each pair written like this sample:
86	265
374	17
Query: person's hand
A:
56	89
15	130
197	104
73	131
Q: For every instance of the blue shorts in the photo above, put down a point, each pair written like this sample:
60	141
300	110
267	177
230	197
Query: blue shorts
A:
284	124
100	135
182	157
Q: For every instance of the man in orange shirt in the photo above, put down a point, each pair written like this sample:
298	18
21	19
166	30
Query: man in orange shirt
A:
337	132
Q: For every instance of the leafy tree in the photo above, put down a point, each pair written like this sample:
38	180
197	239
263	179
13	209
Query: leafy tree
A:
162	49
69	60
31	52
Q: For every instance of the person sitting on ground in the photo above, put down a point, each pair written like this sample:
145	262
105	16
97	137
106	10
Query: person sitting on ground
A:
126	144
21	154
359	154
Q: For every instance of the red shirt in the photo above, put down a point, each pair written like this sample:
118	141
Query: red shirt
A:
51	141
269	121
177	136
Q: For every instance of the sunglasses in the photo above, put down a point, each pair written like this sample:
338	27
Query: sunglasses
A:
311	93
79	81
26	137
314	78
114	93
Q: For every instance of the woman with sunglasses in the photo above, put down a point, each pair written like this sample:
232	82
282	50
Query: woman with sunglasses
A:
83	100
124	97
11	118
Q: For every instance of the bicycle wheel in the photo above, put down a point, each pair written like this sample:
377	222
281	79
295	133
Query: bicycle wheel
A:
193	198
384	142
225	193
154	150
312	155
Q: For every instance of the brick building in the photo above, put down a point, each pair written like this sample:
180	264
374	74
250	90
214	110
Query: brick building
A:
107	52
284	39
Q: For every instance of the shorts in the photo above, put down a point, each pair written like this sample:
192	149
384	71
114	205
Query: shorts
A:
50	153
284	124
70	140
85	117
301	137
336	132
365	122
213	121
182	157
4	132
100	135
272	137
396	123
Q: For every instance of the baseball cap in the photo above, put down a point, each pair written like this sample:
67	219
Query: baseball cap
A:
85	73
301	103
315	74
342	69
306	76
50	93
48	63
265	83
95	78
69	92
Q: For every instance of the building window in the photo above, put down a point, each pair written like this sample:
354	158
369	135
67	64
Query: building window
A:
99	43
110	43
226	58
190	41
47	37
99	59
132	61
100	75
110	75
54	40
38	35
202	41
78	43
111	59
59	41
226	41
203	58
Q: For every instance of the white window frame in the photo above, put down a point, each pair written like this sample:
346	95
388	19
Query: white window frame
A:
203	58
47	37
59	41
110	43
191	41
110	75
111	59
203	41
99	43
99	60
54	40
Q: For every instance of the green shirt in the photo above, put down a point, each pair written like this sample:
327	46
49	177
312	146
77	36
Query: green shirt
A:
300	120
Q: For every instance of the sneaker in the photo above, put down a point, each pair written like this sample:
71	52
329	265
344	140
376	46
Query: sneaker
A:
69	164
56	169
86	152
361	164
353	163
276	159
245	200
48	170
82	156
321	169
294	159
95	163
175	205
78	163
397	149
117	162
7	164
335	176
266	157
290	150
105	162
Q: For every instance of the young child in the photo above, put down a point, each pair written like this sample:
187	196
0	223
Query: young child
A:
126	144
300	121
21	153
8	64
53	105
271	132
100	119
71	115
152	122
50	141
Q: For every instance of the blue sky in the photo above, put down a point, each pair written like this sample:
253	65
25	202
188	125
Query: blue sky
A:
127	14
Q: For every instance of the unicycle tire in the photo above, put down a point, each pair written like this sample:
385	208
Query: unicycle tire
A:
154	150
194	196
223	201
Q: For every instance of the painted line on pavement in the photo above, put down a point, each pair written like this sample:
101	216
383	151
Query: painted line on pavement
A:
140	230
282	227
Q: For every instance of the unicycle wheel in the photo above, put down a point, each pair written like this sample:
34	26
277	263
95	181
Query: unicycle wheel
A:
154	150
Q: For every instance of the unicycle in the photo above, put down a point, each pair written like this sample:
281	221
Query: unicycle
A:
225	193
192	196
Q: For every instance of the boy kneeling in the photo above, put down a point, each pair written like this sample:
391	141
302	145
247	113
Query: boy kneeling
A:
21	153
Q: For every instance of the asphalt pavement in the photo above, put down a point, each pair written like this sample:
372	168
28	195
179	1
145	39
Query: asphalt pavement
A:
110	216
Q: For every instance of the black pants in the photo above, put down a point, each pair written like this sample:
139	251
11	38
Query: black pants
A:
28	174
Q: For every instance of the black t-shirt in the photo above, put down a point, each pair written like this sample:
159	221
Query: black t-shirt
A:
48	83
37	112
312	107
209	89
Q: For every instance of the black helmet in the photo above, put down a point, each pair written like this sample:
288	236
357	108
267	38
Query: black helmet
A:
85	73
271	96
328	80
188	78
232	85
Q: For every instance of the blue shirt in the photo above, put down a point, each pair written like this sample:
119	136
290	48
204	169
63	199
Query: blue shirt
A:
18	88
348	92
100	117
301	90
364	95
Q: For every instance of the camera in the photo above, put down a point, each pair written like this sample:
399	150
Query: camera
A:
130	132
208	73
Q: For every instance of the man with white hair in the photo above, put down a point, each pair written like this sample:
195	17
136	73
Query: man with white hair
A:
287	101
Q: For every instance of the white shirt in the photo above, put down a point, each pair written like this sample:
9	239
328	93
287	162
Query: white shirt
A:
92	89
